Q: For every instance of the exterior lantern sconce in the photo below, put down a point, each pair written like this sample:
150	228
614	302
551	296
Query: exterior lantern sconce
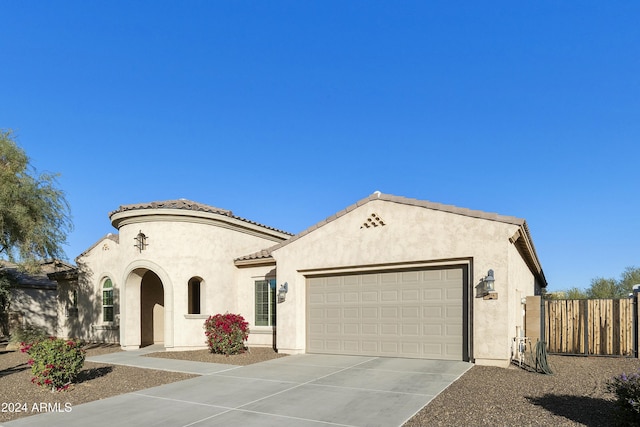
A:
488	288
141	241
282	292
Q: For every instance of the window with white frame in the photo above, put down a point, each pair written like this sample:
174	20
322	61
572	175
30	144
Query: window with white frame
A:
265	302
107	301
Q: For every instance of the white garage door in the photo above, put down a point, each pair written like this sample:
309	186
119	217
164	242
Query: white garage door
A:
417	314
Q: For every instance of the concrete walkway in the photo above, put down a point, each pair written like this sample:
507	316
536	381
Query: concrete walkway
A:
300	390
132	358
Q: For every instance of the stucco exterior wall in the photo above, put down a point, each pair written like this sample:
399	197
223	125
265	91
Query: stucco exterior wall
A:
373	235
186	250
259	336
178	249
523	284
35	306
410	235
95	266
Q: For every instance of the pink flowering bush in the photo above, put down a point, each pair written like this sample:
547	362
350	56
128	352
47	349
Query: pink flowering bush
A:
55	362
226	333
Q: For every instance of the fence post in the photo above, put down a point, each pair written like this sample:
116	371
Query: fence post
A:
533	314
586	327
634	316
542	320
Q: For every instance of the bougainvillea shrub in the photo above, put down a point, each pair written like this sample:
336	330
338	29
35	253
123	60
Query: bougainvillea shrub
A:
226	333
55	363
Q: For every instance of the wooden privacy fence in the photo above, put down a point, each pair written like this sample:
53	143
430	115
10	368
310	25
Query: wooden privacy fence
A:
591	327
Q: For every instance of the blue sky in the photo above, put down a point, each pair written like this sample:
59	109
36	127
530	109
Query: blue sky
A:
286	112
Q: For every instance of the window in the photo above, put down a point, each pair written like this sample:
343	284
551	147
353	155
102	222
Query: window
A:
194	296
107	301
72	304
265	302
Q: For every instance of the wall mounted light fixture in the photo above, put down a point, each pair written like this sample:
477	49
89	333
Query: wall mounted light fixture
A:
489	281
488	289
282	292
141	241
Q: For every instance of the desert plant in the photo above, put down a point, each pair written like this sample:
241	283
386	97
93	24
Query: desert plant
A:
226	333
627	391
55	362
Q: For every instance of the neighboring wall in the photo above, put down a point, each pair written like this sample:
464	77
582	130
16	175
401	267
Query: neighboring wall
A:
35	306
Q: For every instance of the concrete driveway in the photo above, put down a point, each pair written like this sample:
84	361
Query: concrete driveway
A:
300	390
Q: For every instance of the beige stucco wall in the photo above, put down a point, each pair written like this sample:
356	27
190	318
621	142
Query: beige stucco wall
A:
183	245
35	306
522	283
95	266
180	247
259	336
411	234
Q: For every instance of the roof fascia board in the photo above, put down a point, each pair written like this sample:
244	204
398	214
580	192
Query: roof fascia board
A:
177	215
404	201
523	242
256	262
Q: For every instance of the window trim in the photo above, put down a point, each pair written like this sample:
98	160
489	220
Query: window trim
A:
108	297
193	297
259	302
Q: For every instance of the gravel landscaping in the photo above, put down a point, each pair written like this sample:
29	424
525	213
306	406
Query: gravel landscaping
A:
574	395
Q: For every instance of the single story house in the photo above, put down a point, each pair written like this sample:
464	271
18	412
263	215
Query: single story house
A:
387	276
32	297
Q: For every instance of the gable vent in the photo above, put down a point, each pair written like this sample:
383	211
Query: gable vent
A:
373	221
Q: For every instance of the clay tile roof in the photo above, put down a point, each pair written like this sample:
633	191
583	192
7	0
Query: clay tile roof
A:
190	205
41	279
401	200
526	244
174	204
110	236
263	254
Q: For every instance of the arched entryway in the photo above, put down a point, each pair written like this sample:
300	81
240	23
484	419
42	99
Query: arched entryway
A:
151	309
147	301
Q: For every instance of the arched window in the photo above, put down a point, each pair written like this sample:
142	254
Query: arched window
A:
195	286
107	301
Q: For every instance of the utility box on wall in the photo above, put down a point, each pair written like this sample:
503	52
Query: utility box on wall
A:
533	319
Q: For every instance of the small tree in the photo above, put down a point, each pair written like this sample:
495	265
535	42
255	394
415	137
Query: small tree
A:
6	281
630	277
604	288
576	293
34	214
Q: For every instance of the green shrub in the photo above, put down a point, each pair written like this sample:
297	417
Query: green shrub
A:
627	391
55	362
226	333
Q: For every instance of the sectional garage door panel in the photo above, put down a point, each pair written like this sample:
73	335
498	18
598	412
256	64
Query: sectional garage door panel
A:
414	314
